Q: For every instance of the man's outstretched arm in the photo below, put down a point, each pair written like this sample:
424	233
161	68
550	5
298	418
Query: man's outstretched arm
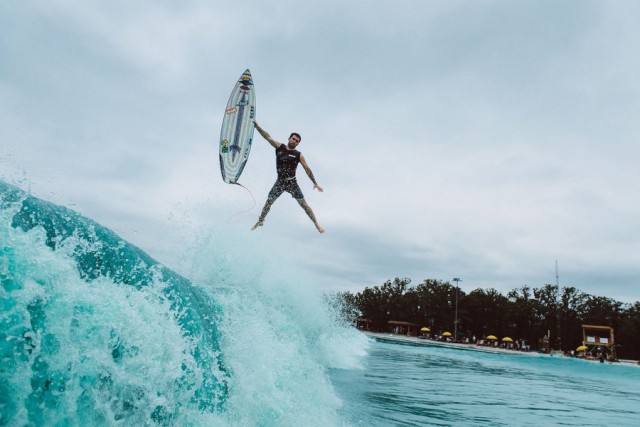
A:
266	135
307	169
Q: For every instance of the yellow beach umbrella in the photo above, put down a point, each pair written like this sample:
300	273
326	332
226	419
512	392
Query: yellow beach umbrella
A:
446	334
507	339
425	329
492	337
581	348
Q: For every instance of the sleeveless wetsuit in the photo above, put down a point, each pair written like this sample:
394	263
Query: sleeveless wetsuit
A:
286	165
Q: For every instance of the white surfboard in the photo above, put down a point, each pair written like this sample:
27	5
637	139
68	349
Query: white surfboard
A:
236	135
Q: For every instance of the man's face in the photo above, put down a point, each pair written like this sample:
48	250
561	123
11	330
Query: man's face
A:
293	141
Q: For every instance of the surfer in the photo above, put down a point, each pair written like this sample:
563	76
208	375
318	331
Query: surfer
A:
287	159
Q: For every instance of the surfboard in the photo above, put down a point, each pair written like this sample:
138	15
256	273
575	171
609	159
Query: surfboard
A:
236	134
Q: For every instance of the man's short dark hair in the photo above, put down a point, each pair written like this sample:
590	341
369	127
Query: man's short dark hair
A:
296	134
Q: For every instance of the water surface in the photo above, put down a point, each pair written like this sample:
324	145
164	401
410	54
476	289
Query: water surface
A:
429	385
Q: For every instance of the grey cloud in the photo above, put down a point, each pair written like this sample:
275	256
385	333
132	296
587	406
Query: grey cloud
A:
476	139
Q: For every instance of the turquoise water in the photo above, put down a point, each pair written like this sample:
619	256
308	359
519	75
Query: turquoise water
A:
93	331
428	385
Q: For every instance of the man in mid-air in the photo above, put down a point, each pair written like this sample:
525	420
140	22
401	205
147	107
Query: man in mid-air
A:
287	159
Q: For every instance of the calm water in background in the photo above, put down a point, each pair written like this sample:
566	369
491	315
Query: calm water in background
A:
429	385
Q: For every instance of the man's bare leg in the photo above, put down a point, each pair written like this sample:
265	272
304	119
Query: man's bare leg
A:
265	211
309	212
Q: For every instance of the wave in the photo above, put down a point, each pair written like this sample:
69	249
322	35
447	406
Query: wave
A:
92	328
93	331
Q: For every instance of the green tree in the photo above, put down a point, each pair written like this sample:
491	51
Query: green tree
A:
487	311
435	299
524	315
383	303
570	306
394	292
602	311
372	305
548	306
628	337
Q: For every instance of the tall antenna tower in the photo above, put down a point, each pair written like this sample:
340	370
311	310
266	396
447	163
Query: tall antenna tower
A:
559	318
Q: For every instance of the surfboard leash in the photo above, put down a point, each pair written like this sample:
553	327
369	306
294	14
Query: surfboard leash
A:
244	211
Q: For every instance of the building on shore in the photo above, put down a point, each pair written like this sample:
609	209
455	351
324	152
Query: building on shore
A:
599	341
393	326
402	328
363	324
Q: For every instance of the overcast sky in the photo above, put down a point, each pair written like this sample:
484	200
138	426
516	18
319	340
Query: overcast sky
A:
476	139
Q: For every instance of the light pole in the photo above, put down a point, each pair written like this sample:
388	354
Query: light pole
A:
455	323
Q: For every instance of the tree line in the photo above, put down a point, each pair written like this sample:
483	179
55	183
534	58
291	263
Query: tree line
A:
523	313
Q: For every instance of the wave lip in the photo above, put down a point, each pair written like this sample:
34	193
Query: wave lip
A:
101	258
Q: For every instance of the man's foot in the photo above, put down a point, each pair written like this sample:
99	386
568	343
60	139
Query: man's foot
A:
260	224
320	229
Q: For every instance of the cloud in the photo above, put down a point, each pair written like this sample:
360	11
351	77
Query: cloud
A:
479	140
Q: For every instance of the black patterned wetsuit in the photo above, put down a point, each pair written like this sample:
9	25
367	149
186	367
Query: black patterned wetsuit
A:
286	164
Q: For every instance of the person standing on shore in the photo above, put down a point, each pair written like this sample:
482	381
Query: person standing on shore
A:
287	159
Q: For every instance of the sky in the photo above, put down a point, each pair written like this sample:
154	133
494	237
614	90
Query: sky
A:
483	140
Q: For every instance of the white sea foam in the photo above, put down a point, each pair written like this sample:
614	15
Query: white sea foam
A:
278	336
107	353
